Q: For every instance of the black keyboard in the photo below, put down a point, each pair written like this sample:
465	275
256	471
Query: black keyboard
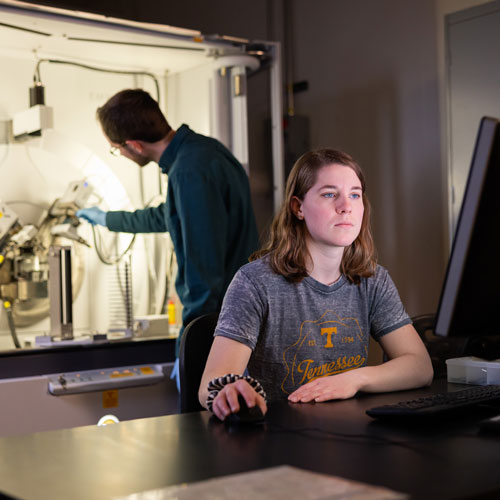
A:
438	403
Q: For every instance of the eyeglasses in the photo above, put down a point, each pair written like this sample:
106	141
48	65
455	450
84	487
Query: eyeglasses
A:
114	150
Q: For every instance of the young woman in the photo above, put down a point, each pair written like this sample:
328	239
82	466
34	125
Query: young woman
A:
299	316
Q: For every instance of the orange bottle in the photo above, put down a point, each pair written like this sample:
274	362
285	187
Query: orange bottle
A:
171	312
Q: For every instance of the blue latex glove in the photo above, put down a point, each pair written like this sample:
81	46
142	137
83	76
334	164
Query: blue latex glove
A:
94	215
175	375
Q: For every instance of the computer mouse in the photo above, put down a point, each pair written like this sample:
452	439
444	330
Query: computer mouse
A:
245	415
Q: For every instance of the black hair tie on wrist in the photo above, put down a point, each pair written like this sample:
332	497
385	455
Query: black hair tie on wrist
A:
217	384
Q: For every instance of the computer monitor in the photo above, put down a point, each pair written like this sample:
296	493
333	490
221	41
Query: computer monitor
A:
470	298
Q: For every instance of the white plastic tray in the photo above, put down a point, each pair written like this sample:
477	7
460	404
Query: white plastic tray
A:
471	370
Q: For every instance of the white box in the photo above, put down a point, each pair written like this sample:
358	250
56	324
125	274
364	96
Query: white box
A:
153	325
472	370
32	120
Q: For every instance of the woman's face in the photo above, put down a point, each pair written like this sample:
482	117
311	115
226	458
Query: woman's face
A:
333	208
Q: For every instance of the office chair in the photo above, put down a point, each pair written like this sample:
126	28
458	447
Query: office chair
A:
195	345
440	348
424	323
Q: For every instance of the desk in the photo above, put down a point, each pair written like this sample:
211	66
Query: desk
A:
447	459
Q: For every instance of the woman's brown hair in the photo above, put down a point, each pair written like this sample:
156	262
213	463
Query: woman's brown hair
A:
286	246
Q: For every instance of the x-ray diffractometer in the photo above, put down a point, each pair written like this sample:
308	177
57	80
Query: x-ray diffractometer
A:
83	324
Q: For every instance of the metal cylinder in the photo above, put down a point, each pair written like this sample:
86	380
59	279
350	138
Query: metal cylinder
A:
37	94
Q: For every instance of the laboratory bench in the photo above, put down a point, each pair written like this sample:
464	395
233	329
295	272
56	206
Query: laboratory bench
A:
44	389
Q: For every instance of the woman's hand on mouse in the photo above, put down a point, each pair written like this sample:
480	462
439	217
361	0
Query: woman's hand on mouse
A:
227	402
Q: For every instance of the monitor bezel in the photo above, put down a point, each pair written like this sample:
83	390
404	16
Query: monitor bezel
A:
486	139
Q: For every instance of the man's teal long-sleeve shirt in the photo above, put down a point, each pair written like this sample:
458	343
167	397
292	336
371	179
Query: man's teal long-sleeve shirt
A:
208	213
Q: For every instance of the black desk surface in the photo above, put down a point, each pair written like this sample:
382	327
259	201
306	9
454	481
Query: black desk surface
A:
442	459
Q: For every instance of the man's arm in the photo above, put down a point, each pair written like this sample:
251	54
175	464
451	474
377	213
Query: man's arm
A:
146	220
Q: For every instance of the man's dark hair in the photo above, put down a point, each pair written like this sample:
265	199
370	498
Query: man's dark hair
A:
132	114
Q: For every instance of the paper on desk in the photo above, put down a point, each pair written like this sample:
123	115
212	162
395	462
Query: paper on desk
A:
275	483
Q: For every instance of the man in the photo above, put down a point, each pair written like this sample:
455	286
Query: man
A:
207	211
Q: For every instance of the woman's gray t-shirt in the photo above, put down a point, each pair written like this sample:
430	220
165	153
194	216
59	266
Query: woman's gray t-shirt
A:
301	331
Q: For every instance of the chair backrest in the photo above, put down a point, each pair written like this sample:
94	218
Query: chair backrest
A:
195	345
439	348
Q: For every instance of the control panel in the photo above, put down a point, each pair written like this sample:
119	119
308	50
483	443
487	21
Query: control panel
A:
105	379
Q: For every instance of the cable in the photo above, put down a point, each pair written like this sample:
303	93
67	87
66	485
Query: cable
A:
322	434
5	155
102	257
8	308
38	170
99	251
23	202
37	76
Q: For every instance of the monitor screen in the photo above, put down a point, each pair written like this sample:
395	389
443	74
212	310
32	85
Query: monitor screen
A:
470	298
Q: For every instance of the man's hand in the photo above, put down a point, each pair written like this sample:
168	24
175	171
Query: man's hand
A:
94	215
